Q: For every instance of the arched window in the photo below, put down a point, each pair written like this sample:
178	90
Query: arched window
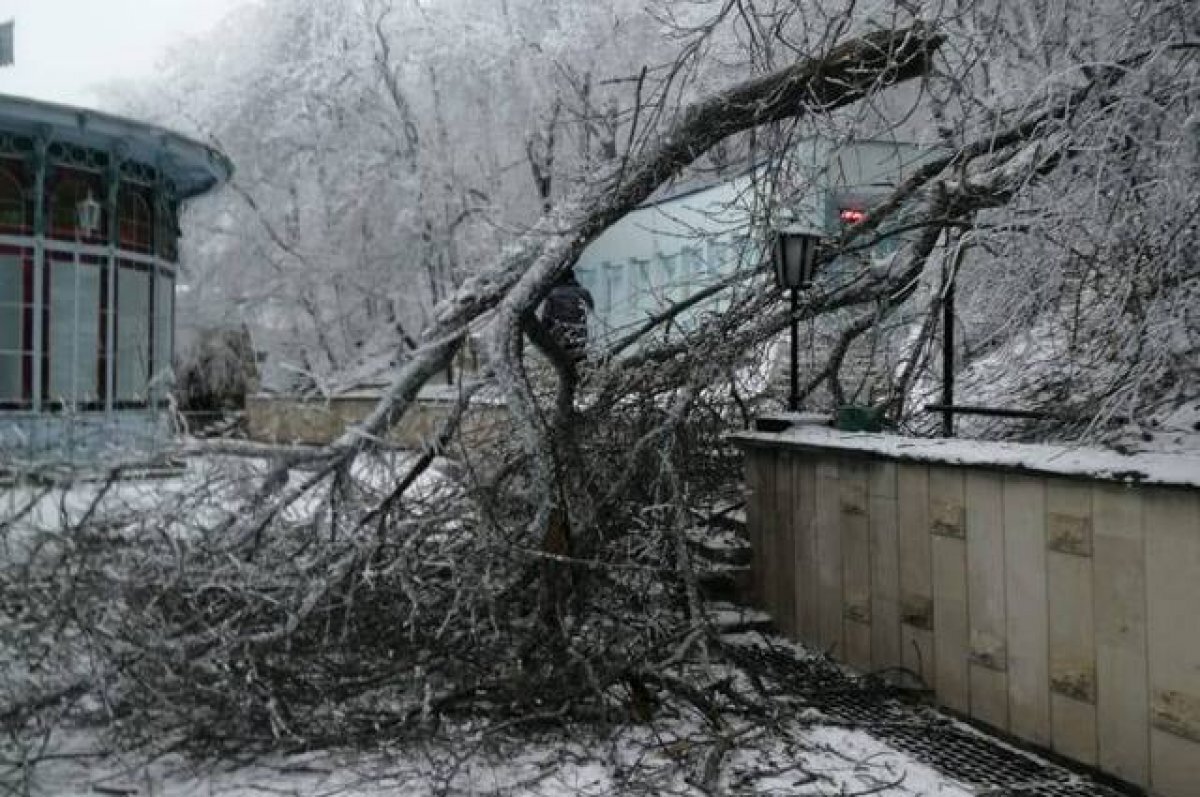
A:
136	225
12	203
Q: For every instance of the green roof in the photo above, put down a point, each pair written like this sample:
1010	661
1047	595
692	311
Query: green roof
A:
193	167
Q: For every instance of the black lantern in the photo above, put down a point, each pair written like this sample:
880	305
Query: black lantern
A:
795	258
795	255
87	215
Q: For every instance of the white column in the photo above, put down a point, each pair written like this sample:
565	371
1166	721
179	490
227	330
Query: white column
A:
110	323
39	270
39	305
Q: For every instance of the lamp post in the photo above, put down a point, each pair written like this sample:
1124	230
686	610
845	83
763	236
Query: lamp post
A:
87	215
795	257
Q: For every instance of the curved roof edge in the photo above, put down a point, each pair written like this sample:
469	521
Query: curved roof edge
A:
194	167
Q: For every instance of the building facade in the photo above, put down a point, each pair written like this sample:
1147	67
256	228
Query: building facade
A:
693	235
89	252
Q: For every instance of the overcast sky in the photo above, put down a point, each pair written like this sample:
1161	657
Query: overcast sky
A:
66	47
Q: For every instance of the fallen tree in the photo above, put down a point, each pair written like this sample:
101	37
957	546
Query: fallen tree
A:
351	593
312	603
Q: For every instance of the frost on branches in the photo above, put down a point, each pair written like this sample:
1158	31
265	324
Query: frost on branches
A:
414	175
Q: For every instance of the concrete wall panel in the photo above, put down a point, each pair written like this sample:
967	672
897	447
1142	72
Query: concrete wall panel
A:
1061	609
988	649
1119	597
950	625
1025	597
804	474
916	577
783	608
885	582
1172	523
829	558
947	524
856	561
1072	629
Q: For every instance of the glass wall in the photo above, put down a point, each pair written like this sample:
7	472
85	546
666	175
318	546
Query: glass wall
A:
164	327
101	317
14	345
133	334
75	339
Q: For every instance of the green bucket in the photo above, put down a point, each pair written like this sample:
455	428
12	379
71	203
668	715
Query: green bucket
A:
858	418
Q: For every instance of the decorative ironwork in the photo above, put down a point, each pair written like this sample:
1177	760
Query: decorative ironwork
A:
16	144
135	172
78	157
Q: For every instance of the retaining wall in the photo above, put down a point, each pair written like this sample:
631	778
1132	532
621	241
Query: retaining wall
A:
289	420
1051	593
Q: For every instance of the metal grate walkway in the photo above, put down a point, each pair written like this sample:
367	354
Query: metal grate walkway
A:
957	750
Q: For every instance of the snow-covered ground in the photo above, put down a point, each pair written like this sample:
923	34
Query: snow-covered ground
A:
197	495
661	758
785	748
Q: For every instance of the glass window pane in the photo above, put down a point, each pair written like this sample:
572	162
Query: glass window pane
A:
668	277
12	300
12	328
62	331
10	378
641	291
133	334
87	333
612	290
164	324
74	331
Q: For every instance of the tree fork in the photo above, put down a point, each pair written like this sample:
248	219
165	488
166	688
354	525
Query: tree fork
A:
845	75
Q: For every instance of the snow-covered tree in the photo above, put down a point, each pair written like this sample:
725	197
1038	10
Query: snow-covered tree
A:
403	154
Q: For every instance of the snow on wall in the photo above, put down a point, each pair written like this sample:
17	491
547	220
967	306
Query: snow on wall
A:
1160	468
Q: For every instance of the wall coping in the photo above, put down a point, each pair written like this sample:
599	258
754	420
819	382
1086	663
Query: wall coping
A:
428	394
1167	469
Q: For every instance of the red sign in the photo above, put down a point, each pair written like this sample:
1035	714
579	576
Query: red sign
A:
852	215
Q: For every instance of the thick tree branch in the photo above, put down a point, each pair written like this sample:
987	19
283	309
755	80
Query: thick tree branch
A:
848	73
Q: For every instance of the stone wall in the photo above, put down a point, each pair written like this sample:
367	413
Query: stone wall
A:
29	439
1030	593
275	419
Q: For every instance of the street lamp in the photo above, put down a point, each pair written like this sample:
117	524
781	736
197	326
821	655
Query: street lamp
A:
87	215
795	256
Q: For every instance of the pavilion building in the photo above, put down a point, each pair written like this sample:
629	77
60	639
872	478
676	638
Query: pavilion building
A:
89	255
